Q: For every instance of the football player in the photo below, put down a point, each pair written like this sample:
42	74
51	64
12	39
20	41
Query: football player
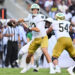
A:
61	30
40	38
38	53
30	22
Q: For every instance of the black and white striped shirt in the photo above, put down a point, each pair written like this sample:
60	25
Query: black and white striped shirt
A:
12	30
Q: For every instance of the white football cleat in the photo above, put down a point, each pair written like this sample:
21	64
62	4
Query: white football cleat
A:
52	72
28	66
58	70
70	71
24	70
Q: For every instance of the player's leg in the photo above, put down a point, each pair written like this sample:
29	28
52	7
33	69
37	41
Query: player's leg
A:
32	61
58	49
44	46
28	64
45	51
71	70
55	62
37	56
23	50
32	48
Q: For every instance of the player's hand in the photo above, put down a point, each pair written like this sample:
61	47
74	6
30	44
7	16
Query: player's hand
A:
21	20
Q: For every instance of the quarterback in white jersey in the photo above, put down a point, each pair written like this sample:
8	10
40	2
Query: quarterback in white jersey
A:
37	27
24	50
33	23
32	20
39	23
61	30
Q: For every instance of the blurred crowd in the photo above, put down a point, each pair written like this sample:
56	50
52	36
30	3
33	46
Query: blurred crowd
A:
54	6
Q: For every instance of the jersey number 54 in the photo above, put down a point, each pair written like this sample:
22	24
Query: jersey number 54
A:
62	28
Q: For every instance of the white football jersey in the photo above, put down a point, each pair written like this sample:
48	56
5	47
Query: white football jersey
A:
37	21
61	28
40	24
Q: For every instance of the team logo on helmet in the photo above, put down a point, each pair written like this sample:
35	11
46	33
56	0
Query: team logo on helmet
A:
60	16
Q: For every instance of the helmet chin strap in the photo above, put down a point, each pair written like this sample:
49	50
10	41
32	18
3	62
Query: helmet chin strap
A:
34	14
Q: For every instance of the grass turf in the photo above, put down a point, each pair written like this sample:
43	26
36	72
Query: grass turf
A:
16	71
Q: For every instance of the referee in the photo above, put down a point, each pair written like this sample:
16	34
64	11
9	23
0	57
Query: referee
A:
12	33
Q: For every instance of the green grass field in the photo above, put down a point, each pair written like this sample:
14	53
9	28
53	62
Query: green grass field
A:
16	71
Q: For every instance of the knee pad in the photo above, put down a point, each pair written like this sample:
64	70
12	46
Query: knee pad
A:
54	58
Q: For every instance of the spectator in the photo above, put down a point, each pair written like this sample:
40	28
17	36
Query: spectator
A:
68	15
69	2
1	48
37	1
72	8
1	25
33	0
73	29
48	4
73	20
62	7
5	39
57	1
41	3
53	10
